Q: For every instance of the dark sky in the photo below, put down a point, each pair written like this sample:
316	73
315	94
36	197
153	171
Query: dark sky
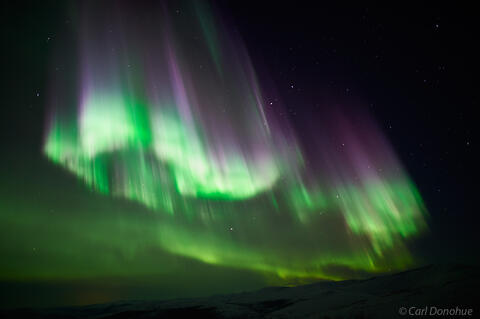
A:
414	67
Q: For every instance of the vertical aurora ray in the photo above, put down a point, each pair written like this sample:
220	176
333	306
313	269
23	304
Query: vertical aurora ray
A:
170	115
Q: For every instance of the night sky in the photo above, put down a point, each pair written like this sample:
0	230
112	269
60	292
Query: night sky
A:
163	150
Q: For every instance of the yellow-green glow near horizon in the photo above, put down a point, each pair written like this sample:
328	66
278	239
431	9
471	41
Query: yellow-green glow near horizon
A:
217	175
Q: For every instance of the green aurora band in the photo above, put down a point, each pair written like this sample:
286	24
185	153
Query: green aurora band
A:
176	121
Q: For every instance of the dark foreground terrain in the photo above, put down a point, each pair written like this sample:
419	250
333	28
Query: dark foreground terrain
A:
427	288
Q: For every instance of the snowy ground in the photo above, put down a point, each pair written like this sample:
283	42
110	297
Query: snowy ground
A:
379	297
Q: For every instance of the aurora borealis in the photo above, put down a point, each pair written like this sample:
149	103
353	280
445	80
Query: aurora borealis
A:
183	128
170	152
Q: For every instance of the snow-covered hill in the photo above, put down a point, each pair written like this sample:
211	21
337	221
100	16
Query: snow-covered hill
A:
430	288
